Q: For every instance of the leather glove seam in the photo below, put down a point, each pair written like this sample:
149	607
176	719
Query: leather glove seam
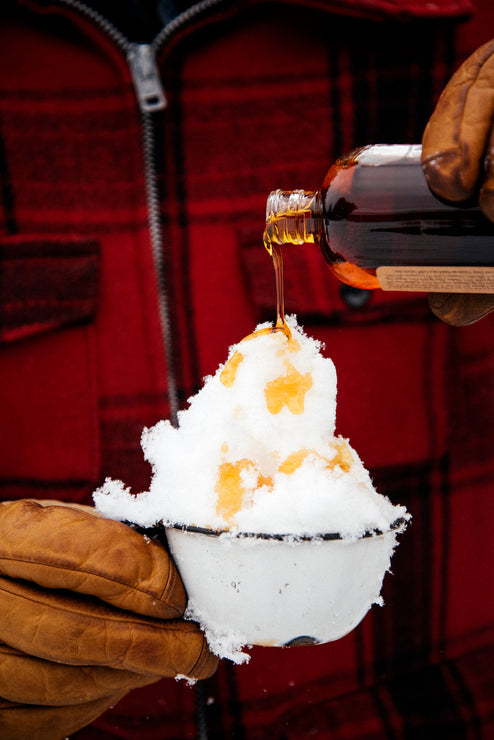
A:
169	588
153	595
201	659
112	613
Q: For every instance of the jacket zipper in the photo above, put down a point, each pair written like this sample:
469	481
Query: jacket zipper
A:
151	98
141	59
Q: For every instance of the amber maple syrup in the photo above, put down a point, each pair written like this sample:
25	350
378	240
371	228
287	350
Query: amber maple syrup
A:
280	325
287	390
229	372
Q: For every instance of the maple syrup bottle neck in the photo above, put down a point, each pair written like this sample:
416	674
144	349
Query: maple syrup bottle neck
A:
293	217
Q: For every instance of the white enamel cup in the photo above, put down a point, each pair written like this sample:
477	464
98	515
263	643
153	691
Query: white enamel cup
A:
280	590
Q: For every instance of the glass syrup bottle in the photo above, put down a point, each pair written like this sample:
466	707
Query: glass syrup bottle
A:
378	225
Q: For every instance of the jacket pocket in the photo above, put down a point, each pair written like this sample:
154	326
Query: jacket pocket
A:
46	283
49	428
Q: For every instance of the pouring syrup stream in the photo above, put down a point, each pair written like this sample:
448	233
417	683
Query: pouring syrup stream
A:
275	252
228	373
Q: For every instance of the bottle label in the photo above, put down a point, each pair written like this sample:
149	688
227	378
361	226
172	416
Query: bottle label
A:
437	279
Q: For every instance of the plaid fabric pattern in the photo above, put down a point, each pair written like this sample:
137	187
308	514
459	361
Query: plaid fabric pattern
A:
260	96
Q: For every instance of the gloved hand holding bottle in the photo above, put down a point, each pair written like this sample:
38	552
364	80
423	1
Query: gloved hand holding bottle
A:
458	161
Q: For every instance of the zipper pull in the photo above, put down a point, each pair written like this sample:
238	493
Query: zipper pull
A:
147	82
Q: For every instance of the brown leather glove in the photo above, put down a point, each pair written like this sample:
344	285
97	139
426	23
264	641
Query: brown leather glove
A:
458	162
89	609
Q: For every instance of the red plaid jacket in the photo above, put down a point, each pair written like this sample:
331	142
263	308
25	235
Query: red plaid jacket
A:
259	95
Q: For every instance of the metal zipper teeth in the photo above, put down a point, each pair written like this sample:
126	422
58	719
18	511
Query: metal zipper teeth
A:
153	200
152	195
112	31
153	206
